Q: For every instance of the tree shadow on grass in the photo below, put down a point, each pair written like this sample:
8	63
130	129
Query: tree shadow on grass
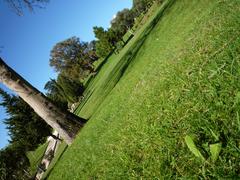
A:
130	56
100	93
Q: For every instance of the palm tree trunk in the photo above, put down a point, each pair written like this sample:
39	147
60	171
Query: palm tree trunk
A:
64	122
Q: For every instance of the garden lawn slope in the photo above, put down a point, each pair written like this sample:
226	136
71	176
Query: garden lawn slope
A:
184	80
35	158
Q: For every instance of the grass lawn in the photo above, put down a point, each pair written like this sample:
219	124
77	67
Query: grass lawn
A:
35	157
61	149
114	67
178	77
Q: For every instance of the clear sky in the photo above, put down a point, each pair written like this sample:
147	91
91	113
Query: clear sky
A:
26	42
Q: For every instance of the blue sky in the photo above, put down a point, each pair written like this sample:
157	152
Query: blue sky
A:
28	40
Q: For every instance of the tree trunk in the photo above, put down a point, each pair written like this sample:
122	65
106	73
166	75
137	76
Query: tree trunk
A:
64	122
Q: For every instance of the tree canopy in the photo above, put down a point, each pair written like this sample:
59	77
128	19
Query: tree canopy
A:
140	6
56	93
73	58
123	21
13	163
25	127
103	43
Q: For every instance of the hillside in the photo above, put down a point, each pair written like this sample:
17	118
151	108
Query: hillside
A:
177	78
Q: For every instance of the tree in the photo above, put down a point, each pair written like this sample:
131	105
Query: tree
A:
64	89
56	94
103	47
24	126
106	41
13	162
72	89
91	49
123	21
141	6
19	5
72	58
66	123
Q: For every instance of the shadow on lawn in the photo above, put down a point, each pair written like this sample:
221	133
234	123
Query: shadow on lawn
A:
61	154
129	57
98	94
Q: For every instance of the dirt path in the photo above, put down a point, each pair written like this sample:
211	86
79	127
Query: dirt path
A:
48	155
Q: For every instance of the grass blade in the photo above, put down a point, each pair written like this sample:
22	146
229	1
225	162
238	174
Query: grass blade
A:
193	148
215	150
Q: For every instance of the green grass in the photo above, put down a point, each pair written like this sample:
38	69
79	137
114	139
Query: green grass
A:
35	157
178	78
113	69
61	149
143	18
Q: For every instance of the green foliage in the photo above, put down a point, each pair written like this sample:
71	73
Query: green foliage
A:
56	94
74	62
105	41
64	90
193	148
13	163
73	58
25	127
123	21
3	170
109	40
26	130
141	6
71	89
215	150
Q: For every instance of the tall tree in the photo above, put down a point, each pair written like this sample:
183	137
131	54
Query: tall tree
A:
64	89
25	127
66	123
73	58
13	163
123	21
106	41
72	89
56	93
140	6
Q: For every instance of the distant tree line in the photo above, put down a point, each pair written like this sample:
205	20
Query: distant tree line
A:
107	40
73	60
